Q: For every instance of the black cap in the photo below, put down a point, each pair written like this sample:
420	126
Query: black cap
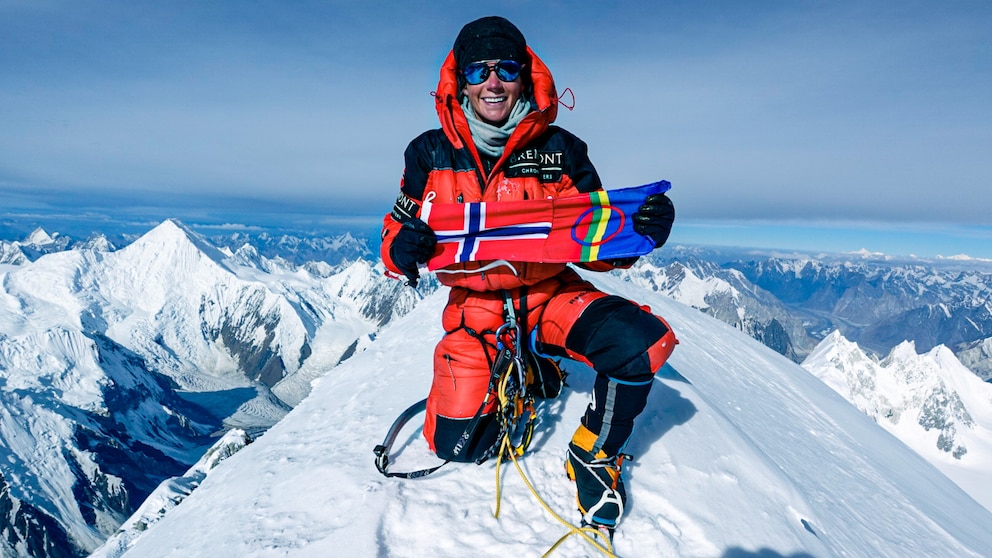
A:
490	38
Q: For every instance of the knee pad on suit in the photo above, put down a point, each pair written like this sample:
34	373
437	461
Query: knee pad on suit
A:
621	339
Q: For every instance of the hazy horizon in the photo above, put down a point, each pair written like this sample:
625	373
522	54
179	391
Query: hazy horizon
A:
928	241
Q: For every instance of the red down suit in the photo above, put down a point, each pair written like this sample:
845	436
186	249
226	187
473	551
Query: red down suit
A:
561	313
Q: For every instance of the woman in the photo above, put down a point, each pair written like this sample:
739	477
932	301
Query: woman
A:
496	101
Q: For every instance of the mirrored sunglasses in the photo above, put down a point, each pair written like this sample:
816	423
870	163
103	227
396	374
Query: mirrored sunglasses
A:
478	72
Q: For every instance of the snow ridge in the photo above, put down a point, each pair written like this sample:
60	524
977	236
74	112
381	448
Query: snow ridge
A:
929	401
741	452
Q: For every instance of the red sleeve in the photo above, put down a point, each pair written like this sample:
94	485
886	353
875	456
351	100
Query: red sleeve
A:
389	229
416	169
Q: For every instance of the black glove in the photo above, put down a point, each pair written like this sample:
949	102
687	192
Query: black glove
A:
414	244
654	218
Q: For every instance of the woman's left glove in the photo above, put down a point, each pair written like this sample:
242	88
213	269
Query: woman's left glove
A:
654	218
414	244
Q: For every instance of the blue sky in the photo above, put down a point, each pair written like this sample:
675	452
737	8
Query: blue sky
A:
842	125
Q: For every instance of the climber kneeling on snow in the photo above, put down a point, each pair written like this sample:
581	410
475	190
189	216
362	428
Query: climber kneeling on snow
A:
496	101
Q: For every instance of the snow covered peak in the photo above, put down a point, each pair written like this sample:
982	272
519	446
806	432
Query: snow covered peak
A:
930	401
11	253
39	237
94	347
962	258
170	250
172	234
692	283
836	351
98	243
903	353
739	452
39	242
168	232
868	254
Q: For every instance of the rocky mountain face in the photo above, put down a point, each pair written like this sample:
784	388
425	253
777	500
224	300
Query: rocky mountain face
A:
790	303
727	295
977	356
40	242
88	431
171	492
930	401
882	304
119	368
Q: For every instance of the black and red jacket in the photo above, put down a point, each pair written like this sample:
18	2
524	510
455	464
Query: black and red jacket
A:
539	161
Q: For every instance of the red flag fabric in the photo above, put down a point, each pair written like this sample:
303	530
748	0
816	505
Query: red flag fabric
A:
583	228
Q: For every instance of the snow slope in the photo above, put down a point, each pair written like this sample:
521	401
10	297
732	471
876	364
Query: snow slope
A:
929	401
740	453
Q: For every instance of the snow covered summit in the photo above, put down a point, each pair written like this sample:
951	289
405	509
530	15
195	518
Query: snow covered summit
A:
117	368
39	237
740	452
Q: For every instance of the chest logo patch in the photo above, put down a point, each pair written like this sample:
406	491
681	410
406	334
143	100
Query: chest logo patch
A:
546	166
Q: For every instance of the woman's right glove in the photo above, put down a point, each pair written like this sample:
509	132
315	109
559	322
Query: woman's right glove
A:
414	244
654	218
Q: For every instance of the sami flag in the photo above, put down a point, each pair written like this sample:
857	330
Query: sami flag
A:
582	228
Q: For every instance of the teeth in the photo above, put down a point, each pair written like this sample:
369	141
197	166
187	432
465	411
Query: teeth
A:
494	99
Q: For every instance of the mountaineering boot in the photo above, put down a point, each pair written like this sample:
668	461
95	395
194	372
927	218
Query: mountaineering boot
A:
599	488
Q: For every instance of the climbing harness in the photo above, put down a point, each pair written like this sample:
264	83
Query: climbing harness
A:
515	411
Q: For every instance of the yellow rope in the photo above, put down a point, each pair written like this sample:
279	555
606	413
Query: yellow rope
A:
503	402
499	460
573	530
506	447
581	530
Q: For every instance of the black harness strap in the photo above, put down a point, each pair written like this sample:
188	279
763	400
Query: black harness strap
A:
503	360
382	450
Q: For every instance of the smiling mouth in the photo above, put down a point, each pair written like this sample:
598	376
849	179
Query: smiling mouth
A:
493	100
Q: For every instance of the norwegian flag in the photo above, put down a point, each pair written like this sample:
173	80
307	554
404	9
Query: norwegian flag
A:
582	228
485	224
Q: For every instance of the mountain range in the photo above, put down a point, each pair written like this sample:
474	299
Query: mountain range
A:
791	302
788	301
118	369
123	368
